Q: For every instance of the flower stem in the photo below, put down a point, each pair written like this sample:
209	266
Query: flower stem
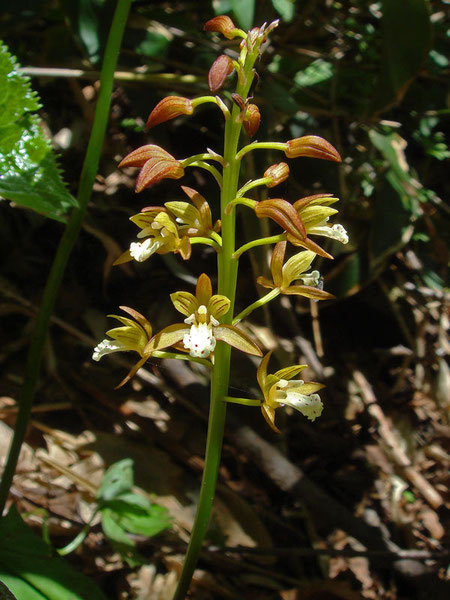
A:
227	278
243	401
263	146
68	239
273	239
267	298
206	241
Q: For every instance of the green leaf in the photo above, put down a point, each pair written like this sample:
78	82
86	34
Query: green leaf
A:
392	224
119	539
392	146
244	11
89	20
285	8
5	593
135	514
29	174
24	557
21	588
124	512
316	72
116	480
407	30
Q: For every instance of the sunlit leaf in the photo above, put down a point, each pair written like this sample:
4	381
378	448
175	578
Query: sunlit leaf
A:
244	11
285	8
29	173
24	556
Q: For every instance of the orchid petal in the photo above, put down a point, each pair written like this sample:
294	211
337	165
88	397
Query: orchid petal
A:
236	338
289	372
203	289
218	305
296	265
185	303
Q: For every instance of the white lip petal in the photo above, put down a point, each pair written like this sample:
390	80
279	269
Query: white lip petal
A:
140	251
310	406
200	340
107	347
336	232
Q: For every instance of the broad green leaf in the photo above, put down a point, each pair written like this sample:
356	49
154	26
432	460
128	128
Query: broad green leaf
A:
221	7
29	174
285	8
392	223
25	556
5	593
406	30
397	206
133	518
125	512
392	146
21	589
316	72
116	480
244	11
89	20
119	539
153	44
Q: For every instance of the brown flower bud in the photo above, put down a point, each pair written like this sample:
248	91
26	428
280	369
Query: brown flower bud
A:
238	101
285	215
156	164
221	68
169	108
312	146
278	173
252	119
222	24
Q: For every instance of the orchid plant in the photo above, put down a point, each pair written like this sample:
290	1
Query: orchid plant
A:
209	329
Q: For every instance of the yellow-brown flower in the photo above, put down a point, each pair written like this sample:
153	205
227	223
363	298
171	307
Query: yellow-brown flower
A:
283	274
201	328
279	389
283	213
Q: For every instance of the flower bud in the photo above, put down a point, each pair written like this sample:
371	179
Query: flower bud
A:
155	163
222	24
169	108
252	119
312	146
221	68
278	173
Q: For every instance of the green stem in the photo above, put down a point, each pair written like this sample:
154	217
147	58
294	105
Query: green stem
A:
244	201
252	184
243	401
215	236
204	240
68	239
203	156
273	239
227	277
267	298
261	145
204	165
